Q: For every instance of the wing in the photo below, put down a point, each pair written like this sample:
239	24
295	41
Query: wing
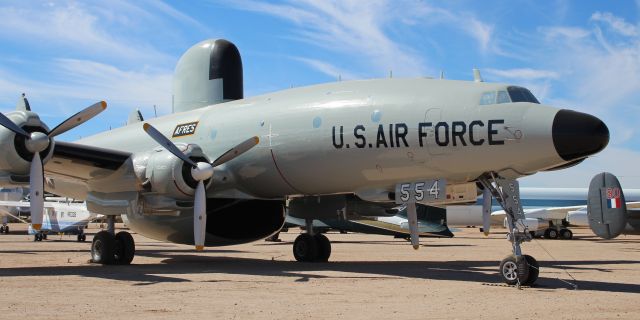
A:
82	162
21	204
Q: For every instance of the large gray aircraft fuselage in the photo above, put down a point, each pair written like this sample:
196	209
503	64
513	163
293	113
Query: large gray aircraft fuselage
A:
351	136
361	137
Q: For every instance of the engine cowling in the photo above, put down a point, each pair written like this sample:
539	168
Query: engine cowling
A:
163	174
16	158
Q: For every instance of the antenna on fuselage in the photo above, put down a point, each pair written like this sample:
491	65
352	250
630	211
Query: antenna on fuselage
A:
441	74
390	74
476	75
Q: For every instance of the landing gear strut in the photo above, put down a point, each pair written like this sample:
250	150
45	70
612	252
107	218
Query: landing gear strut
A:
110	248
311	247
515	269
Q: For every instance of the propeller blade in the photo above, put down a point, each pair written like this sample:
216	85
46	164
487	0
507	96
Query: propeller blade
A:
166	143
78	118
236	151
36	185
7	123
199	216
412	216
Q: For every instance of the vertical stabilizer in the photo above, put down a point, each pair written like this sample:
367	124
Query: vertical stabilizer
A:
606	207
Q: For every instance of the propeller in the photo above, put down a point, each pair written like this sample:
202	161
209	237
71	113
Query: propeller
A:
36	142
200	172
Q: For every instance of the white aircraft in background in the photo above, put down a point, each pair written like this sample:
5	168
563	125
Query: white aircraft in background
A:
58	217
549	211
9	194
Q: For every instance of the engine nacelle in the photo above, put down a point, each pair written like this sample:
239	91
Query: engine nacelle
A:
16	158
164	176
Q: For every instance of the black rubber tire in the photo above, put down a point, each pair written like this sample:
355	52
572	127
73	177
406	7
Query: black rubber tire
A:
6	230
44	236
534	270
1	229
84	238
514	271
324	247
36	237
551	233
79	238
102	248
566	234
305	248
125	248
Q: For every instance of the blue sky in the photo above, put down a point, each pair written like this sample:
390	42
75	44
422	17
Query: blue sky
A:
583	55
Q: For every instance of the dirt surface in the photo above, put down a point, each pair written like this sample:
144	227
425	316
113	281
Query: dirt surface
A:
368	277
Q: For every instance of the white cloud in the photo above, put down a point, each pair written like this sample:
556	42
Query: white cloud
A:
328	69
616	23
571	33
348	27
523	73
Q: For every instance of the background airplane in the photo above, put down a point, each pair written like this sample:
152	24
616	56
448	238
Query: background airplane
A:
9	194
58	218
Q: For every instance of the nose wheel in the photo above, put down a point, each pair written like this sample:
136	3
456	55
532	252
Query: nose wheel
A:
515	269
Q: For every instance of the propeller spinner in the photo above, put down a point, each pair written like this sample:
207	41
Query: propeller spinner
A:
200	172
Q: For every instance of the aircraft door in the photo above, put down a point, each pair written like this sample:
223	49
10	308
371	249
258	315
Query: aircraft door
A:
434	140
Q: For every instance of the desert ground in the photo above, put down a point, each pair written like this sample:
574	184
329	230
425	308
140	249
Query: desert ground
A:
368	277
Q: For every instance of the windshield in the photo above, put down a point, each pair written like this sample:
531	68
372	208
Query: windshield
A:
512	94
520	94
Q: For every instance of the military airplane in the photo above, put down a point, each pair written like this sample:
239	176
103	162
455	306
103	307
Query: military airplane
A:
549	212
221	159
60	217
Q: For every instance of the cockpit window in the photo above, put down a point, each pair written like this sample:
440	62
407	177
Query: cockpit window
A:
488	98
503	97
520	94
494	97
512	94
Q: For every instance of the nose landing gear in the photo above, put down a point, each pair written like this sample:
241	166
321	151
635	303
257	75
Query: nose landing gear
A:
515	269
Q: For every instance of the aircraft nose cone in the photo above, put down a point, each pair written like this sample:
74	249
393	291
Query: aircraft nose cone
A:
577	135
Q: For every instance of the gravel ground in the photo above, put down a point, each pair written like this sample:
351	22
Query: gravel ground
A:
368	277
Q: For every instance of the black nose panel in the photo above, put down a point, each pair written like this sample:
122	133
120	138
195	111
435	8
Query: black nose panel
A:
577	135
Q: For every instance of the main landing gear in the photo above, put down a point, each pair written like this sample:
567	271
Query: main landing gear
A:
111	248
516	268
311	247
4	229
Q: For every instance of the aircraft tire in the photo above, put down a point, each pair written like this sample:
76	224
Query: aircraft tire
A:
514	271
37	237
44	236
566	234
125	248
305	248
6	230
102	248
324	247
1	229
534	270
551	233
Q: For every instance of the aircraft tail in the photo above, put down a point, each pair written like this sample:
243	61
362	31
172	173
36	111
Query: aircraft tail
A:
606	207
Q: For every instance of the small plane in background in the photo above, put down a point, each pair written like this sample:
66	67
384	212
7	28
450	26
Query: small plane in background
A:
60	217
9	194
549	212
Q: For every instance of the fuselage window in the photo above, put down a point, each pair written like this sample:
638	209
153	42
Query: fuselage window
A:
488	98
503	97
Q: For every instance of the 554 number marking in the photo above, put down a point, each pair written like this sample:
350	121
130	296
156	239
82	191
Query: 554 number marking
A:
421	191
